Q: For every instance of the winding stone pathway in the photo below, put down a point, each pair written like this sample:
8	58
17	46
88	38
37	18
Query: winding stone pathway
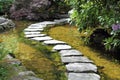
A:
78	66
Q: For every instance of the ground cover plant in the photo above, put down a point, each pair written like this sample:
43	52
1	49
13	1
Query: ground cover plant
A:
35	54
103	17
36	57
4	6
8	45
108	69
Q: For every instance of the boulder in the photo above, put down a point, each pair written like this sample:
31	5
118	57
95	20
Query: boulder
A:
37	9
6	24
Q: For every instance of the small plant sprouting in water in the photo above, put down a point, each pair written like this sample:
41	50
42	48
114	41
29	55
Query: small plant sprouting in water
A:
8	45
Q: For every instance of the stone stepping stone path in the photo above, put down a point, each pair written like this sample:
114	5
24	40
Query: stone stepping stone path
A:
72	52
83	76
37	25
29	29
30	33
72	59
34	35
61	47
78	67
45	38
81	67
53	42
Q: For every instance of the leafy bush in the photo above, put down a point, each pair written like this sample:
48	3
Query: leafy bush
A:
103	14
4	71
60	6
113	43
5	5
9	45
7	70
94	13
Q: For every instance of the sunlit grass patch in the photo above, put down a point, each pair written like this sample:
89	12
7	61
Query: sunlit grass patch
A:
40	59
35	57
110	70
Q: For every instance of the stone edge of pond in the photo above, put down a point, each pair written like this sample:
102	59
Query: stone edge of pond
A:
6	24
77	65
22	72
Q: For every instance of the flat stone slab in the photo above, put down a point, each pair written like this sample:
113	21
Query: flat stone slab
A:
37	25
81	67
27	29
32	78
61	47
62	21
34	35
41	38
48	23
28	33
83	76
73	52
35	28
53	42
73	59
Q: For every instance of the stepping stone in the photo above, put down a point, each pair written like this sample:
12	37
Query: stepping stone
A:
35	35
39	23
48	22
83	76
81	67
53	42
73	52
27	33
33	29
41	38
73	59
61	47
32	78
36	26
62	21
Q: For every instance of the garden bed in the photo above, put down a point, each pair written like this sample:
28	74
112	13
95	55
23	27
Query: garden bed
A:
35	57
108	68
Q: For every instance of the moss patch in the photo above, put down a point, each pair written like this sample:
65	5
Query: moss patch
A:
36	61
35	57
108	69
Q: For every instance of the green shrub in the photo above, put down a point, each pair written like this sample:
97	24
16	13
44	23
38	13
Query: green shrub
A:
5	5
9	45
7	70
113	43
94	13
3	73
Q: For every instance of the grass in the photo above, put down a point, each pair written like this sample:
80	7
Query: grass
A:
41	60
36	57
5	69
108	69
